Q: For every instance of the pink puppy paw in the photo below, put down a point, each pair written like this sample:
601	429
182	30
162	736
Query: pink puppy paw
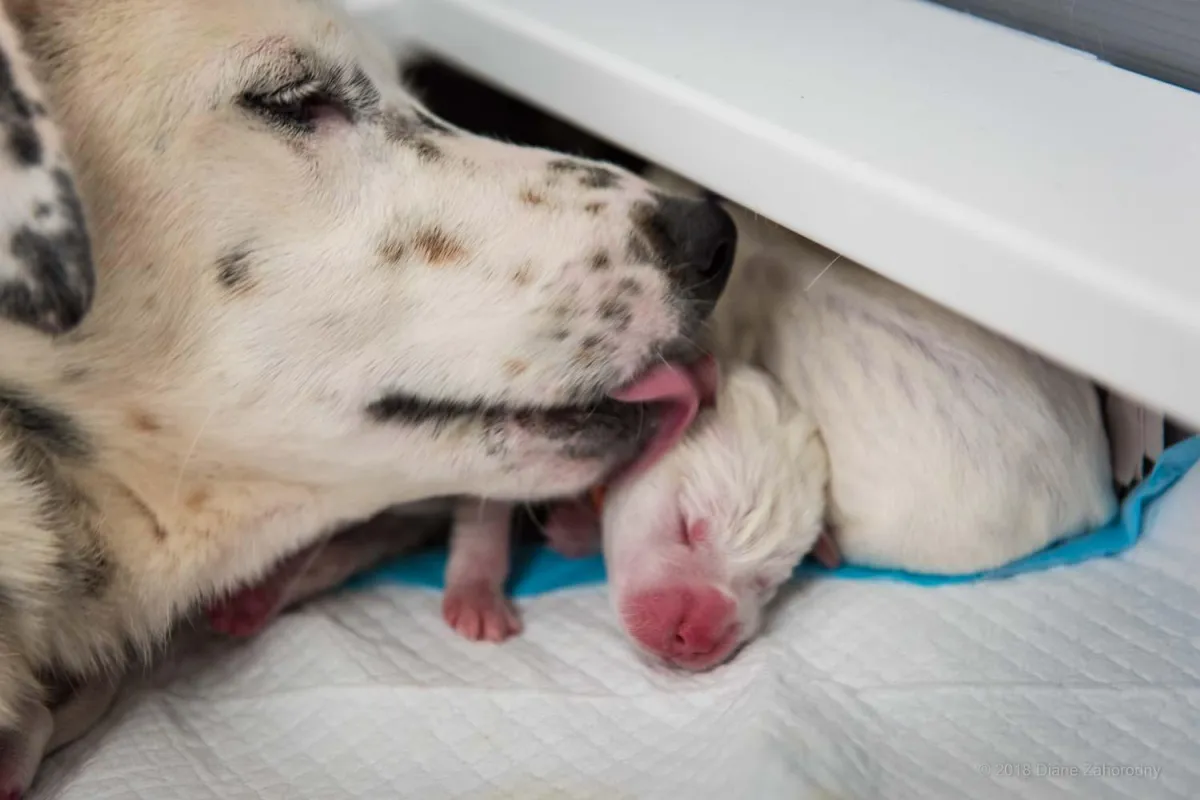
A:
480	612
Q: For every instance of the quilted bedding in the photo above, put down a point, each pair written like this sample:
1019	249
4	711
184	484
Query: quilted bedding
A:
1076	682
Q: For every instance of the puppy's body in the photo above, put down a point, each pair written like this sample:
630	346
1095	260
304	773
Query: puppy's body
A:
315	301
923	441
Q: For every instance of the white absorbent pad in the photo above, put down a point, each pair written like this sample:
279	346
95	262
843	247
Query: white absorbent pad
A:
1075	682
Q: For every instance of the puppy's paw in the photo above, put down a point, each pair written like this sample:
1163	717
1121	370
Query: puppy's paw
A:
480	612
573	529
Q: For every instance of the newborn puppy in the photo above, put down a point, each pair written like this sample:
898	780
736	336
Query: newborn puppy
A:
698	544
919	439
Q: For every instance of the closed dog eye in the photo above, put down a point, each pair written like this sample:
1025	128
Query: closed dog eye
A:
299	107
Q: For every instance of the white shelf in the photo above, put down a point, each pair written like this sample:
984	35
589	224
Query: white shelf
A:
1031	187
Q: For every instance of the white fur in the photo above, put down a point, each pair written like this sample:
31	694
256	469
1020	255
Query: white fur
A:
949	449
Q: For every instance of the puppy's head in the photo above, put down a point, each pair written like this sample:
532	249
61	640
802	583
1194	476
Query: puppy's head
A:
46	272
290	244
697	545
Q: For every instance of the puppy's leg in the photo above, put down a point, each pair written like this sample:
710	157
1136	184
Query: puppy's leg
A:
826	551
573	528
323	566
251	609
475	604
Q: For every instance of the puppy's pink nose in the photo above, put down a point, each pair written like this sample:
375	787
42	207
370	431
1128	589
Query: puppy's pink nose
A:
691	626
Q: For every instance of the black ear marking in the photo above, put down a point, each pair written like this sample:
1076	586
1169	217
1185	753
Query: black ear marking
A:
52	290
16	118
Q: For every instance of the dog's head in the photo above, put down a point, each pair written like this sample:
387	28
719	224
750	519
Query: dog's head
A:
46	273
299	259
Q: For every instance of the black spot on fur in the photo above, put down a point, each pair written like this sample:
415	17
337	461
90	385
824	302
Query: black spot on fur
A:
601	261
233	270
598	178
58	281
617	312
560	334
42	210
628	287
590	175
427	150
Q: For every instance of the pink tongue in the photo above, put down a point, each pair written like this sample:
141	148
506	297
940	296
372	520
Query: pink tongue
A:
679	392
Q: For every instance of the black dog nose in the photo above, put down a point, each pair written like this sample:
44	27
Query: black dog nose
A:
698	242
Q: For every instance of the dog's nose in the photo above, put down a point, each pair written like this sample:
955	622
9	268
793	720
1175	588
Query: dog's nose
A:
703	239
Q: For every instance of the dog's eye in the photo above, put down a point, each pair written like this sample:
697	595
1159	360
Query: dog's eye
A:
300	107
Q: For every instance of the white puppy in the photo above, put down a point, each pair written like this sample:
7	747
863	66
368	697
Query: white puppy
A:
921	440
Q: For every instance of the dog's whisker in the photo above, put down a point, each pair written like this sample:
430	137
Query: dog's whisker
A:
191	452
822	272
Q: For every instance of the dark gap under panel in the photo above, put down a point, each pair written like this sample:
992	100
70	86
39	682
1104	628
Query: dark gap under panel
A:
1156	38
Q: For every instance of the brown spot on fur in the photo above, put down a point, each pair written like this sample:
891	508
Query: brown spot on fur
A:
438	248
561	311
591	350
601	261
531	198
614	309
560	335
143	421
515	367
523	275
392	251
628	287
197	499
595	208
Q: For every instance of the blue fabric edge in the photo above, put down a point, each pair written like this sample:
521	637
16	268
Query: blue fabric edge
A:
538	569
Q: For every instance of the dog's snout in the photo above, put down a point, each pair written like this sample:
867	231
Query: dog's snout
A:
704	239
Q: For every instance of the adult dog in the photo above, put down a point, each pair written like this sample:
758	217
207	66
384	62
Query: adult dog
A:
315	300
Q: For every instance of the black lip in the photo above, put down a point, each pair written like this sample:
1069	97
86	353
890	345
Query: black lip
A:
603	419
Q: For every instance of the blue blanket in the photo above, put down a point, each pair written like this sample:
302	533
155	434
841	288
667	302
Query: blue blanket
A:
537	570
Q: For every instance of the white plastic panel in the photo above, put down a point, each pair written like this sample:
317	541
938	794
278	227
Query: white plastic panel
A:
1046	194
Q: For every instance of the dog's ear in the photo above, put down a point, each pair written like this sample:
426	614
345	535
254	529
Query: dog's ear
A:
47	277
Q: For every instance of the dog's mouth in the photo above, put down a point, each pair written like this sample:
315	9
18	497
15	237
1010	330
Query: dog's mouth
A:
644	418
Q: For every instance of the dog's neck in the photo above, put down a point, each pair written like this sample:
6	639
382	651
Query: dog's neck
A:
160	504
